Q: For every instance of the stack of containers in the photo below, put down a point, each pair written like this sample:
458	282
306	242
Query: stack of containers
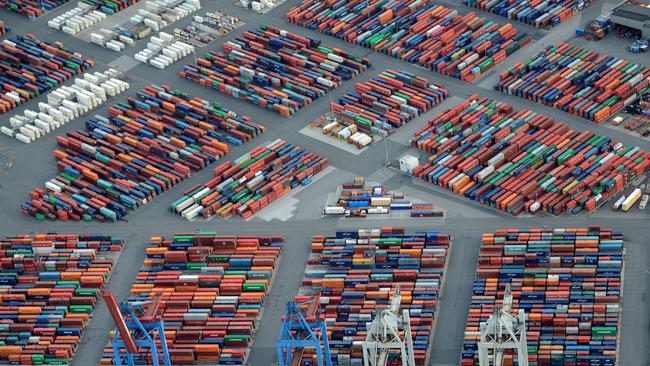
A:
420	32
576	80
356	272
253	181
274	69
142	149
31	8
541	14
382	104
163	50
87	13
64	104
567	281
31	67
212	289
49	285
516	161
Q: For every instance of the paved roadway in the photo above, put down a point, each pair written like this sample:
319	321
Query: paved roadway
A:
33	164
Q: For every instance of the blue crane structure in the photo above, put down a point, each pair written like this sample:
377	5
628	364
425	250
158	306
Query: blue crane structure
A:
302	329
139	328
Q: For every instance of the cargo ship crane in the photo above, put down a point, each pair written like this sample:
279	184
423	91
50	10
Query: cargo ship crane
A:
139	328
302	329
384	334
503	332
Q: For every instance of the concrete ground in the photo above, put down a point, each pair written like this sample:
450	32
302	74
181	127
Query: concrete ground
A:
33	164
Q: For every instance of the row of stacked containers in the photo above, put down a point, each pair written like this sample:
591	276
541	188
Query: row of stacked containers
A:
576	80
567	281
31	67
145	146
355	272
520	161
49	286
31	8
250	183
384	103
274	69
538	13
416	31
212	289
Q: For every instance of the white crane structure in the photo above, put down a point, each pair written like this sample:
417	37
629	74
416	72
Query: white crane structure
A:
501	333
387	332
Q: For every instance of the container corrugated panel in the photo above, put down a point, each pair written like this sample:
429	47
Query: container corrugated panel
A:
388	101
416	31
250	183
538	13
32	67
48	289
567	281
274	69
356	272
576	80
143	148
212	289
520	161
31	8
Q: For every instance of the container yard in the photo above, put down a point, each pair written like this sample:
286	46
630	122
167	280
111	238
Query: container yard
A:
541	14
143	148
206	28
419	32
87	13
31	67
50	286
143	19
251	182
567	281
359	198
31	8
576	80
212	289
355	272
307	248
274	69
518	161
66	103
379	106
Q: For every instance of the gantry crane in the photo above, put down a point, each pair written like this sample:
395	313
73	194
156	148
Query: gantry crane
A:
140	331
389	332
503	332
301	328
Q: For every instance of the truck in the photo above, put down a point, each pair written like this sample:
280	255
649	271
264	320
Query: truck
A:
639	46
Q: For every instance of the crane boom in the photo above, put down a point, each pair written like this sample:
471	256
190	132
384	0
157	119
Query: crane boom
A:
120	323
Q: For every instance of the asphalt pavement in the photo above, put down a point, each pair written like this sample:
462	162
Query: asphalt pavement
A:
33	164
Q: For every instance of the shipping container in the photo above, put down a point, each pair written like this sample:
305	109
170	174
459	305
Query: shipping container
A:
540	14
145	146
31	67
48	290
211	288
31	8
274	69
520	161
416	31
356	273
567	281
379	106
576	80
251	182
4	29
